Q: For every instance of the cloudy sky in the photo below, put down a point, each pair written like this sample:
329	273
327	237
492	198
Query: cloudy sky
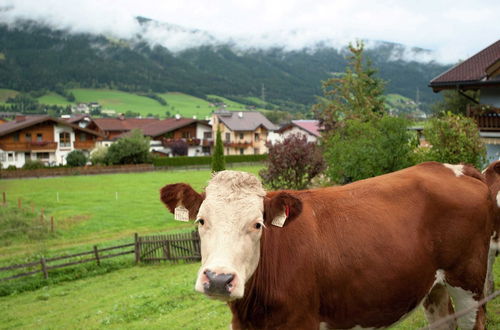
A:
453	29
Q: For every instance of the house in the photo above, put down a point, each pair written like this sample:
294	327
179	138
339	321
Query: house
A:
112	128
44	138
481	72
308	128
242	132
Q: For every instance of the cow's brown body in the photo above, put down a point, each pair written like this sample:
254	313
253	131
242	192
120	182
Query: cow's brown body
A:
368	253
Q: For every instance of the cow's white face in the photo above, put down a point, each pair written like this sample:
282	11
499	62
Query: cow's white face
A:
230	222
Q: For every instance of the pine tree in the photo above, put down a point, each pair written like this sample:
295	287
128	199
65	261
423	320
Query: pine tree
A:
218	161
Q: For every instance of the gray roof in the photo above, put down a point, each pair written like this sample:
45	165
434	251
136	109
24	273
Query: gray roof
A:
245	120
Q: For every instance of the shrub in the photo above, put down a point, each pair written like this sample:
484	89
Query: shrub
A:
33	164
179	147
363	149
98	156
11	168
133	149
76	158
292	164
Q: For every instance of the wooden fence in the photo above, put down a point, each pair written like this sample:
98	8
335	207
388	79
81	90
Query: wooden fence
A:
154	248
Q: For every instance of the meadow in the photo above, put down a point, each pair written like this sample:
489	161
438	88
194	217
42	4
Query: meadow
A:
108	209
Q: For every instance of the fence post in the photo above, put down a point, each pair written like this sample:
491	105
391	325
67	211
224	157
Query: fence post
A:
44	268
52	224
41	217
4	198
96	252
19	203
137	248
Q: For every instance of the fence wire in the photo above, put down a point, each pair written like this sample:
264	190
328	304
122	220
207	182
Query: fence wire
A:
461	313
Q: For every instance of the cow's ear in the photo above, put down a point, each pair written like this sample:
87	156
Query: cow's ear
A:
279	205
496	167
177	194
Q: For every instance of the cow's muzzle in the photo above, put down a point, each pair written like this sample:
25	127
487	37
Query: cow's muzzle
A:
218	284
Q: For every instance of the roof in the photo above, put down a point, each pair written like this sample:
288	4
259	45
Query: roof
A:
471	73
123	124
164	126
245	120
28	121
310	126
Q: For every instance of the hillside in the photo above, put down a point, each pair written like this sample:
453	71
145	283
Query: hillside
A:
35	57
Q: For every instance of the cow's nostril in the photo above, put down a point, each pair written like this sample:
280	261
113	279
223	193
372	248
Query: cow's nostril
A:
220	284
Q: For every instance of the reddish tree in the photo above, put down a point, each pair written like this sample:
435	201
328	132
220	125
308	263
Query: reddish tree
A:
292	164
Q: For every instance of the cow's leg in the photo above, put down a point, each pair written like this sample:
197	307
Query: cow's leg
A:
489	285
437	305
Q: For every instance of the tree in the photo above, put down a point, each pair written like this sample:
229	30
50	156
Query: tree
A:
98	155
179	147
218	161
454	139
292	164
132	149
454	102
362	149
76	158
356	94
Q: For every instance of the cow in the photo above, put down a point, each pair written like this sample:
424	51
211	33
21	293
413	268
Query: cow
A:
492	177
363	255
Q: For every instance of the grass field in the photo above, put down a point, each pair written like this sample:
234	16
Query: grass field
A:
187	105
6	93
54	99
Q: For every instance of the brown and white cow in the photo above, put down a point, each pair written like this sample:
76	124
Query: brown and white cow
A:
492	176
358	256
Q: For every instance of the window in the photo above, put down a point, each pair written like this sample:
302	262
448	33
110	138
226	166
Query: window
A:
241	136
207	135
11	156
256	151
39	137
186	135
27	137
42	155
27	156
64	139
83	137
15	137
256	137
242	151
228	137
2	157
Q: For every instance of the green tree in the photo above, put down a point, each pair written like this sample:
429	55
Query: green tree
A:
76	158
218	161
98	156
454	139
454	102
355	94
362	149
132	149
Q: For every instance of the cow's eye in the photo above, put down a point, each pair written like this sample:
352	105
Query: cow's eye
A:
200	221
258	225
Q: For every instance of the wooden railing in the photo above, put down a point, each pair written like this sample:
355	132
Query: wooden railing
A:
84	145
487	118
28	146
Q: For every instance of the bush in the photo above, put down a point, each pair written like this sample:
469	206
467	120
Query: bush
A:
179	147
98	156
11	168
133	149
204	160
33	164
454	139
76	158
363	149
292	163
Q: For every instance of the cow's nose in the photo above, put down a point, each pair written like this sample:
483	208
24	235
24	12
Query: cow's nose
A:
218	284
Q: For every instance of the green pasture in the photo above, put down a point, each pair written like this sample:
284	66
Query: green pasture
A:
92	209
187	105
54	99
141	297
6	93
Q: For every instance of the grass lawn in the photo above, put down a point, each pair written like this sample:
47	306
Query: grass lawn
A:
160	296
93	209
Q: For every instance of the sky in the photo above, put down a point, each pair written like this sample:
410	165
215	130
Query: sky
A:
452	29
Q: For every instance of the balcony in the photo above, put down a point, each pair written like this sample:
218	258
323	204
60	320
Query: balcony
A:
192	142
487	118
85	145
29	146
238	144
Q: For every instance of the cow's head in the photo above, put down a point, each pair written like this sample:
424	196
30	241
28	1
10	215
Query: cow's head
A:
231	217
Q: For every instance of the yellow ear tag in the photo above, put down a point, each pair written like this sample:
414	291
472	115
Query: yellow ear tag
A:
279	221
181	213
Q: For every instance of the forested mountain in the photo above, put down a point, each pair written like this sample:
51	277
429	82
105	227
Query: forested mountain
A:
35	57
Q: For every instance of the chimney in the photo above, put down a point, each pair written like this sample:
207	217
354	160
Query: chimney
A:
240	114
20	118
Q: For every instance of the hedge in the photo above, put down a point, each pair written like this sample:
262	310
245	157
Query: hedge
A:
205	160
